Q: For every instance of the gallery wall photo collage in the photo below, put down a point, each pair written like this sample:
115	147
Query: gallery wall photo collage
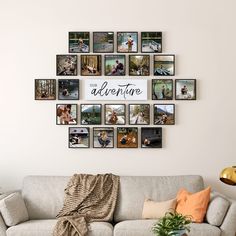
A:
113	71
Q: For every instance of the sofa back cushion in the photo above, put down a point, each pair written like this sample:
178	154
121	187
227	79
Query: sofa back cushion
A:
134	190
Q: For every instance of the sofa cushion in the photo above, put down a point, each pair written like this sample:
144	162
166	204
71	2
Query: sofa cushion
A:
216	211
204	229
45	228
133	191
13	209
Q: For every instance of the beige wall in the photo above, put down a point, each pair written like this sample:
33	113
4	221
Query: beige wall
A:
201	33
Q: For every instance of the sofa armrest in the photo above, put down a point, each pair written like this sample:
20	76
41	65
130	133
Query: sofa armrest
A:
3	227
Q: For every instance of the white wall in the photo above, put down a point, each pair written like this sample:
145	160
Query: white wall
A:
201	33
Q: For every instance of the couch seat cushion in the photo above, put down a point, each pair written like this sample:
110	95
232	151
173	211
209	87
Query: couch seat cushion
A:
144	228
45	228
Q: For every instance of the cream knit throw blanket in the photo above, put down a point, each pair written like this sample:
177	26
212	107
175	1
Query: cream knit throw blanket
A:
88	198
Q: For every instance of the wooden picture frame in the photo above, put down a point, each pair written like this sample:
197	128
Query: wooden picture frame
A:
185	89
67	65
79	137
91	65
139	65
164	65
162	89
127	137
68	89
151	137
127	42
164	114
139	114
45	89
151	42
116	66
66	114
105	137
79	42
103	42
90	114
115	114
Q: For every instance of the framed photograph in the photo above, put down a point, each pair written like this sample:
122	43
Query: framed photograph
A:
66	114
68	89
164	114
103	137
151	42
185	89
91	65
127	137
67	65
79	137
79	42
162	89
139	114
127	42
103	42
139	65
91	114
164	65
114	65
114	114
151	137
45	89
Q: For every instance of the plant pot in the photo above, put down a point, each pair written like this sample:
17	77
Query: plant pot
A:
179	232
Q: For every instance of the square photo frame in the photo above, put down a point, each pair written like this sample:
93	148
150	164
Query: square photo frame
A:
68	89
164	114
151	42
127	137
91	114
115	114
79	42
66	65
151	137
103	137
139	114
79	137
162	89
185	89
139	65
127	42
45	89
91	65
164	65
66	114
114	65
103	42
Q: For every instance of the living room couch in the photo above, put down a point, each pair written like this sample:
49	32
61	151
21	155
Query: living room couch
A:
43	196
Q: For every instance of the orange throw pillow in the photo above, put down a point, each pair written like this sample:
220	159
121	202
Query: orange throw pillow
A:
193	204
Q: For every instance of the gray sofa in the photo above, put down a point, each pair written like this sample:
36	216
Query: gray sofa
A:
43	196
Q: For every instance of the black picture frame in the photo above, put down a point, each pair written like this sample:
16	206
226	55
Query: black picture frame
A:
65	114
45	89
164	117
69	67
86	70
139	117
166	71
117	71
102	50
78	135
155	48
68	89
104	143
92	120
151	137
105	114
160	93
188	95
80	49
117	41
137	68
130	139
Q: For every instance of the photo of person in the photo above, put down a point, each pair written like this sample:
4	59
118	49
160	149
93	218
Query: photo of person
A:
91	114
114	65
162	89
78	42
103	137
68	89
66	114
139	65
103	42
127	137
151	42
164	114
164	65
127	42
139	114
79	137
114	114
185	89
91	65
67	65
151	137
45	89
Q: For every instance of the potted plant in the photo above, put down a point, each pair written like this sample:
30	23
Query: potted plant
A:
172	224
